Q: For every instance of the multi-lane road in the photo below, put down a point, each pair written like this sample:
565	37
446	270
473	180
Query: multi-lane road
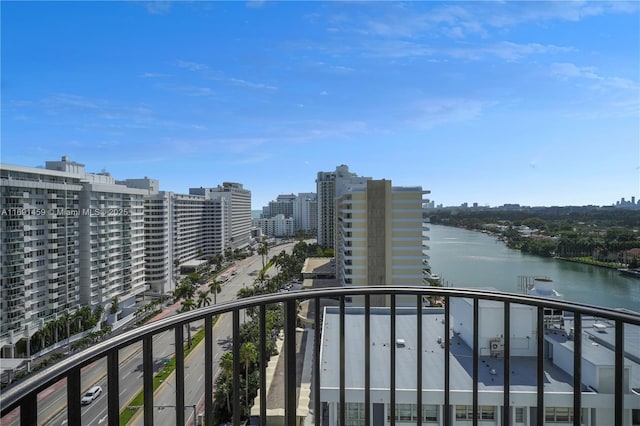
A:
52	402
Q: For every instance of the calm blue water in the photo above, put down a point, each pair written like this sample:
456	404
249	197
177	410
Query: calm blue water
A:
473	259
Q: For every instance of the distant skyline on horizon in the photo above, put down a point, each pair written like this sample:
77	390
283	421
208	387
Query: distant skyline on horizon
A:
530	103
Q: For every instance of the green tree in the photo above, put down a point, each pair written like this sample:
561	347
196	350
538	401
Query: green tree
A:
188	305
215	287
115	305
248	355
263	251
204	298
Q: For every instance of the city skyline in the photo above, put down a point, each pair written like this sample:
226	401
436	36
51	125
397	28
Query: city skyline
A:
494	103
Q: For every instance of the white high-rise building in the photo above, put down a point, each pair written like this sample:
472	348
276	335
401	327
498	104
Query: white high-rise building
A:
69	239
178	228
329	185
236	203
305	212
278	226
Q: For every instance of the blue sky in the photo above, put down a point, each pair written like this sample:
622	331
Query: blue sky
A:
536	103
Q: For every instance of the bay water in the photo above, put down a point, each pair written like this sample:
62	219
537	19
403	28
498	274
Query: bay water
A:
472	259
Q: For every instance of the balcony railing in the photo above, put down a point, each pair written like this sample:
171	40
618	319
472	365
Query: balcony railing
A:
25	393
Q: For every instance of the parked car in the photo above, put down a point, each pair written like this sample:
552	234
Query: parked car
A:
92	393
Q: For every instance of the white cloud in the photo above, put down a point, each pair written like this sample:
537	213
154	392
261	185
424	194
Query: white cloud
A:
191	66
431	112
504	50
245	83
567	70
158	7
154	75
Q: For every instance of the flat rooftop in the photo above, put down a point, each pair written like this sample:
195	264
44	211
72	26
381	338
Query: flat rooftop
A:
319	266
490	373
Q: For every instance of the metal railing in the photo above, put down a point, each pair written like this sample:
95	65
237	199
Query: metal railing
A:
24	394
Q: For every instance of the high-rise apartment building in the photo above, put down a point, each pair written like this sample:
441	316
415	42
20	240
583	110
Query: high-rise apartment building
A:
179	228
236	204
278	226
380	234
329	185
305	212
69	238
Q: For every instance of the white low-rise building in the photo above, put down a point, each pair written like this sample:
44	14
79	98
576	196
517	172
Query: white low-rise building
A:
597	367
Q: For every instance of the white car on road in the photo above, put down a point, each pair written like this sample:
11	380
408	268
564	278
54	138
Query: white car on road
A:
92	393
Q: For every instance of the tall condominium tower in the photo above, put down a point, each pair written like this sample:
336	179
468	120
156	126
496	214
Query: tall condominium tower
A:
380	235
236	203
329	185
305	212
69	239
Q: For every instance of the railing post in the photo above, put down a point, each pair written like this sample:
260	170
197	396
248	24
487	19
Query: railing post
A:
619	373
367	359
540	366
317	335
147	379
208	372
476	351
263	363
447	361
236	367
341	413
290	402
506	372
29	410
179	345
74	414
113	384
577	368
419	359
392	366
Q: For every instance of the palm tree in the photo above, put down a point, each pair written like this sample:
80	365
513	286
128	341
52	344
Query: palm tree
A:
223	387
215	287
263	250
246	292
188	305
226	364
203	298
248	355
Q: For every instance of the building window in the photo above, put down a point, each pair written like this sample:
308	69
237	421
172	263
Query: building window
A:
464	412
561	414
635	417
485	412
430	413
353	413
520	415
408	413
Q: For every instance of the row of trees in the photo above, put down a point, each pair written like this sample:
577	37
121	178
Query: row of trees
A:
288	267
572	234
65	326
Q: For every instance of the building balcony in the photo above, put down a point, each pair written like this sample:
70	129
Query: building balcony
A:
359	365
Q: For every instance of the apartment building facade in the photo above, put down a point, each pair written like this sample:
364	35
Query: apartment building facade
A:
305	212
278	226
381	234
69	239
235	200
329	186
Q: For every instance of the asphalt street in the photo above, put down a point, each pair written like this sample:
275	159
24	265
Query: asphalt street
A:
52	401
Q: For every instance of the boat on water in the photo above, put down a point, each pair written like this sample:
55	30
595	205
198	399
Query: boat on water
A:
633	272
